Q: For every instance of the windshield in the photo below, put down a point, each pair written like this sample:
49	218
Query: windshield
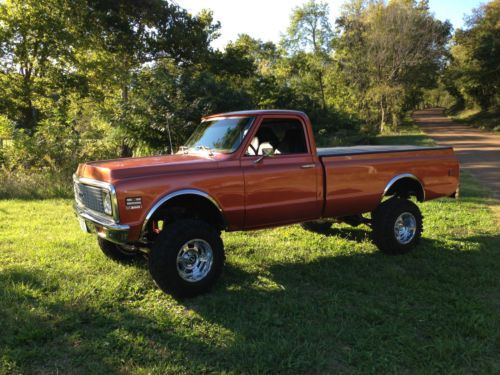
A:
221	135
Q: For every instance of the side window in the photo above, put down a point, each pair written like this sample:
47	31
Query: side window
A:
283	136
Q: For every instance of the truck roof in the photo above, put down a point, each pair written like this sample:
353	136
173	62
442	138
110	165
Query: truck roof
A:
257	112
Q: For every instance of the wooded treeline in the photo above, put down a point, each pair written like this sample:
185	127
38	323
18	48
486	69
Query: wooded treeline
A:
90	79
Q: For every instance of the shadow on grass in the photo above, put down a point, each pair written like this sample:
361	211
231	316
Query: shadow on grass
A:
43	336
358	234
364	309
430	309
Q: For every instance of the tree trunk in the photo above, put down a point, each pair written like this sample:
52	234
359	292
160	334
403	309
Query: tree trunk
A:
322	90
125	151
382	115
125	93
29	112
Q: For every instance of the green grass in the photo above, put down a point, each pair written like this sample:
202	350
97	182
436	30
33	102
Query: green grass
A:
485	120
289	301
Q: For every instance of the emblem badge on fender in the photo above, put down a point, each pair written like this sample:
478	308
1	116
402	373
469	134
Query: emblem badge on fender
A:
133	203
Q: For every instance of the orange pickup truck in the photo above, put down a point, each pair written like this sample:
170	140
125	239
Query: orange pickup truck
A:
250	170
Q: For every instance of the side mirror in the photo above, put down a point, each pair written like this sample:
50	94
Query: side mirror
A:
266	152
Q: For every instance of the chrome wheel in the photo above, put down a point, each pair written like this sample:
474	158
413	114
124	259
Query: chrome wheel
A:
194	260
405	228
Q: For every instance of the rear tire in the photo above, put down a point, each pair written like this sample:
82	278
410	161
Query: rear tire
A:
187	258
397	226
116	252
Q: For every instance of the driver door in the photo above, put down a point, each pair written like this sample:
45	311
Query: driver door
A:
283	187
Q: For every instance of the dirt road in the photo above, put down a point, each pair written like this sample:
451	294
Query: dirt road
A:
478	151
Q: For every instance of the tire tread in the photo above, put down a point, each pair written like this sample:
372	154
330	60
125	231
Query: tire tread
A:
163	256
383	218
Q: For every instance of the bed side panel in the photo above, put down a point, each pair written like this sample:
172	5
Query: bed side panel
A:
355	183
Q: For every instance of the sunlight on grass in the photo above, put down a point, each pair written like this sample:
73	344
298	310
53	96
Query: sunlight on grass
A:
485	120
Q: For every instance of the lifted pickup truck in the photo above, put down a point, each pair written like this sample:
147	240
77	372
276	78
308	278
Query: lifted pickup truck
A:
250	170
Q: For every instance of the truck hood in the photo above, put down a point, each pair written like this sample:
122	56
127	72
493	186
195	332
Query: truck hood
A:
118	169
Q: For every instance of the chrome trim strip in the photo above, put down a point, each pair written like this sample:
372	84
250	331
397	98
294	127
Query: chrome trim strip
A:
173	195
399	177
102	185
223	117
306	166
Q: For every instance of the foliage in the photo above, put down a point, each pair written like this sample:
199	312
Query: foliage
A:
36	56
473	76
57	53
167	102
390	53
41	164
6	127
308	43
34	184
485	120
84	79
437	97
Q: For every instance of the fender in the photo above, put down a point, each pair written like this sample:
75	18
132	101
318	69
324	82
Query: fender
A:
172	195
400	177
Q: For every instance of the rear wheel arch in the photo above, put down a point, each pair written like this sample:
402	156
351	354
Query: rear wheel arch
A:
188	203
404	186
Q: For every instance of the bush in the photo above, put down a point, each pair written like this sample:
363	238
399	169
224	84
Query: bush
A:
34	184
41	165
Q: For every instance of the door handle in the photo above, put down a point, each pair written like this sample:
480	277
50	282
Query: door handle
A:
306	166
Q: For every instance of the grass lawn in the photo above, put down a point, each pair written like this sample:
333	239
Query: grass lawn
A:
289	301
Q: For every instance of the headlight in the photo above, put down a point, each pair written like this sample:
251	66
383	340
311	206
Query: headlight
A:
106	200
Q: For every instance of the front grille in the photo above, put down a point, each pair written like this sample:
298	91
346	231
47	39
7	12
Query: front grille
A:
89	196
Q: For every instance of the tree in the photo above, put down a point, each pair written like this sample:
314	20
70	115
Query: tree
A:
400	49
309	39
36	55
167	102
474	71
133	34
56	52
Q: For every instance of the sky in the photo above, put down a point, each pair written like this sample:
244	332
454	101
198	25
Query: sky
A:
268	19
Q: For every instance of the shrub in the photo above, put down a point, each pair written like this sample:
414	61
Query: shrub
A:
41	165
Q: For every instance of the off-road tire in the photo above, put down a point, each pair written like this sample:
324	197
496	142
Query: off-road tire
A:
383	225
164	252
118	253
316	226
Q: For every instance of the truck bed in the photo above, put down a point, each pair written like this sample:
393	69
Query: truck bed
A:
356	177
356	150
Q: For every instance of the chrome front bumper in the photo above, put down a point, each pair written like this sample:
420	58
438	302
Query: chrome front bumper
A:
103	227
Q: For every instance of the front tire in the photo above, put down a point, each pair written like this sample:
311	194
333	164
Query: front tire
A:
116	252
397	226
187	258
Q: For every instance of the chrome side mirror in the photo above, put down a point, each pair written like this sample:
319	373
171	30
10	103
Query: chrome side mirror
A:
266	152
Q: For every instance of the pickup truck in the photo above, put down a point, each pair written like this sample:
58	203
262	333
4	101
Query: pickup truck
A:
250	170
